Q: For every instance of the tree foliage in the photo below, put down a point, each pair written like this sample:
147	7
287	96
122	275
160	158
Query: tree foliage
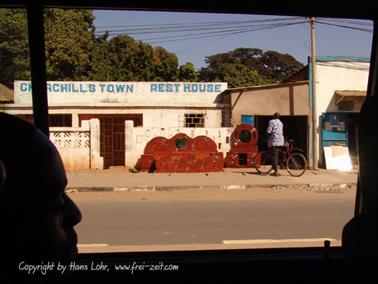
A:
124	59
188	73
165	65
128	60
238	75
276	66
271	66
14	50
75	52
68	37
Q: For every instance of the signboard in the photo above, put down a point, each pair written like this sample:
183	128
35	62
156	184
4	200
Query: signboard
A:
334	129
139	93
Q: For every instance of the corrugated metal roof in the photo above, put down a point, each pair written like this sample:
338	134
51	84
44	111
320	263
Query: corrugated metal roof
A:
330	58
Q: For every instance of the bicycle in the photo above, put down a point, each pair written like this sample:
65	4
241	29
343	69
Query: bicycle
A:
290	157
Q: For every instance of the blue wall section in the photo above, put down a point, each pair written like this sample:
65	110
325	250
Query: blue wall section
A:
248	119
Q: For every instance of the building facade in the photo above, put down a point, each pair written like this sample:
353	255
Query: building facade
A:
341	84
106	124
257	104
90	117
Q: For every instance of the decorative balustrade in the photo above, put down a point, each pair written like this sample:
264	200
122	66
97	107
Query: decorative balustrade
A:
70	138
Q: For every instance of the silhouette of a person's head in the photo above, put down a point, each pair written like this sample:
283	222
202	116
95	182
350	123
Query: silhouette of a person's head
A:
37	218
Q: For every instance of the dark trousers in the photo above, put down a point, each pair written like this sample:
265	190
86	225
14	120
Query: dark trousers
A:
275	151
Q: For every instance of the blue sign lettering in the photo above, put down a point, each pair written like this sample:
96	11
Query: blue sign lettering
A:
187	88
202	88
120	88
64	88
92	88
153	88
56	88
129	88
161	88
83	90
25	87
110	89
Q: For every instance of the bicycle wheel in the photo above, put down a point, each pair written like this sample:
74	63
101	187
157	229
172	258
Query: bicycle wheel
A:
296	164
263	162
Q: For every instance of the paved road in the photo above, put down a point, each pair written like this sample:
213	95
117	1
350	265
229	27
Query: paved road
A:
209	217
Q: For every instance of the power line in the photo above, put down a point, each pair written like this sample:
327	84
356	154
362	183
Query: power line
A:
200	23
232	30
346	27
348	21
200	44
306	46
177	29
207	33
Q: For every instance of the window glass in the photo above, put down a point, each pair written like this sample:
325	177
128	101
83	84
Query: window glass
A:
126	84
60	120
194	120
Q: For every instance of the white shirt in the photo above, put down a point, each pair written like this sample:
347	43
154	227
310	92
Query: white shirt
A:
275	129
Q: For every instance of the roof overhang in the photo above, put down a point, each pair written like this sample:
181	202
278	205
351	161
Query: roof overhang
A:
6	94
341	95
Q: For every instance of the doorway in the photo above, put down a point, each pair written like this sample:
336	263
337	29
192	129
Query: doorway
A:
294	127
112	136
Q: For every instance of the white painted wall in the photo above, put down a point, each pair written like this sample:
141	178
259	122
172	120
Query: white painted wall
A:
333	76
79	147
163	104
152	117
105	94
166	118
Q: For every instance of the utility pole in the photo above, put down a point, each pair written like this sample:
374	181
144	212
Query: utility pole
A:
313	90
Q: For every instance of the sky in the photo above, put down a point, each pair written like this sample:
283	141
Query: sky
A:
202	34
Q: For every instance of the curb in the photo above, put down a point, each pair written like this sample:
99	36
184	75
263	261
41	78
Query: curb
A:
315	187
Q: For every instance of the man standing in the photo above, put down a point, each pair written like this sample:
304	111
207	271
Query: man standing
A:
275	140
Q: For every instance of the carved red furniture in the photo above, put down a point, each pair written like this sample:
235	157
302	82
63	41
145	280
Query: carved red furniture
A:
243	142
181	154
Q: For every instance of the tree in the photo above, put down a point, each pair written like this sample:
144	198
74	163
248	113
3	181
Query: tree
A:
68	42
100	67
14	50
124	59
187	73
236	74
277	66
165	65
271	66
240	75
73	52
